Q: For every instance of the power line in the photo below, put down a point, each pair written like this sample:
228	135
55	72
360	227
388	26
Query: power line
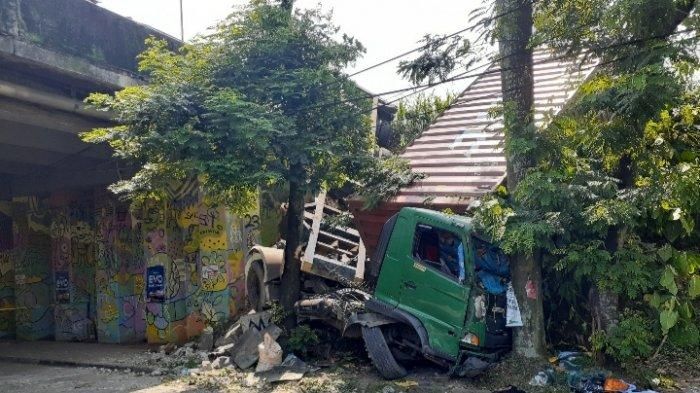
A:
468	74
464	30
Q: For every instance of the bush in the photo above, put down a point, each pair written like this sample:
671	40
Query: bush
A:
632	339
302	340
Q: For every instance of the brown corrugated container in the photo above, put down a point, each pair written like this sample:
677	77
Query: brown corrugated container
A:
462	151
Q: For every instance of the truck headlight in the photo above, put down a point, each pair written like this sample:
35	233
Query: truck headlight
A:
471	339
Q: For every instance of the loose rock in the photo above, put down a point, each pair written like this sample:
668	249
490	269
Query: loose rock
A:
221	362
206	339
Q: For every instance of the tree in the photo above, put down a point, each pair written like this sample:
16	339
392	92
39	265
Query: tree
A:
647	24
263	100
603	199
413	117
511	25
641	75
592	192
513	33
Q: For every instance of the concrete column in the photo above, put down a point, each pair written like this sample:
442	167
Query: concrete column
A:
120	275
7	277
33	273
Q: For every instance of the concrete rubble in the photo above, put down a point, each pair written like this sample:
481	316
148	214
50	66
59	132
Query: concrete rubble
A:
236	349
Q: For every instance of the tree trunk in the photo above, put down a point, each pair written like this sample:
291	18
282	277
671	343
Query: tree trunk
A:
604	303
287	4
517	84
290	282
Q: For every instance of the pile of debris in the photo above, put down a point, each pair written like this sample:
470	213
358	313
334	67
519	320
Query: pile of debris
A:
250	341
569	368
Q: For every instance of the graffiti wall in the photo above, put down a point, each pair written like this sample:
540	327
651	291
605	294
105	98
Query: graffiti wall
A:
84	267
120	273
195	255
73	260
31	255
7	273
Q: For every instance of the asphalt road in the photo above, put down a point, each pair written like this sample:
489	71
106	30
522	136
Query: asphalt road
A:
30	378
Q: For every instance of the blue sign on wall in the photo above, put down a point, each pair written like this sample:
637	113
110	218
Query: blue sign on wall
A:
62	282
155	283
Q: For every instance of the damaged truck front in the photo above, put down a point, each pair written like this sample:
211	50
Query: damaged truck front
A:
432	289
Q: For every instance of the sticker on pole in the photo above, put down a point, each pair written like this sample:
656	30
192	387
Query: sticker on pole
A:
155	283
62	281
513	318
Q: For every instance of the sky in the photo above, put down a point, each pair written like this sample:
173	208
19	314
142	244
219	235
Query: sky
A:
385	27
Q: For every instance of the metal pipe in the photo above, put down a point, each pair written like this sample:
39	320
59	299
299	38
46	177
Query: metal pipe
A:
54	101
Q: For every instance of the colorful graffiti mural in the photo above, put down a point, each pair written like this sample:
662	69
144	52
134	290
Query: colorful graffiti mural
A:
84	267
201	249
7	274
33	274
119	275
73	260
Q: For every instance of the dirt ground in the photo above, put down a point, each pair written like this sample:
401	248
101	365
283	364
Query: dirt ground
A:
344	377
30	378
24	369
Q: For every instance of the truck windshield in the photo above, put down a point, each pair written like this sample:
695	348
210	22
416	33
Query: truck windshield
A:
440	249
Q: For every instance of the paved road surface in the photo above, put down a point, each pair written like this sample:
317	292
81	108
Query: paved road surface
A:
30	378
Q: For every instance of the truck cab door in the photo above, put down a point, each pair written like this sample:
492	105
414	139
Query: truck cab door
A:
433	284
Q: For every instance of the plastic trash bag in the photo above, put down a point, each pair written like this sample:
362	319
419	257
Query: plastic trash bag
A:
513	317
269	354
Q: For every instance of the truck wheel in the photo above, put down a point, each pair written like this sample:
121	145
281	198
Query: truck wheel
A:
380	354
255	286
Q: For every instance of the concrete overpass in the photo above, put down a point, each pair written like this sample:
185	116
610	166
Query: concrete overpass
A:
52	55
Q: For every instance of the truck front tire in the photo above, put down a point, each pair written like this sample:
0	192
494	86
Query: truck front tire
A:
255	286
380	354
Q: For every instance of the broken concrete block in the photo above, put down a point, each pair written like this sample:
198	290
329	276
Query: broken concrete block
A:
206	339
168	348
291	369
221	362
231	335
245	351
223	350
258	320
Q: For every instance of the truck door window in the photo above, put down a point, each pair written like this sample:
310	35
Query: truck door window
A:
439	249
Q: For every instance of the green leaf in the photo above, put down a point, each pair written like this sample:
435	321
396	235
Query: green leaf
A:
665	253
680	262
673	230
694	287
685	335
685	310
655	300
688	224
693	260
668	280
668	319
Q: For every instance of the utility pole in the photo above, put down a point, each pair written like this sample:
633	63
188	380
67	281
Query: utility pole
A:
182	23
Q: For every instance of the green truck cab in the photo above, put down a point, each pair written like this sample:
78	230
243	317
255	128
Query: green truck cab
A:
429	270
436	290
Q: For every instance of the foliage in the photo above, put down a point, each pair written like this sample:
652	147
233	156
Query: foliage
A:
241	107
615	196
413	117
441	55
632	339
302	340
383	179
262	101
